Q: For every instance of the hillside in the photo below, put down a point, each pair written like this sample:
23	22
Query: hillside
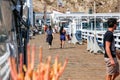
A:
102	6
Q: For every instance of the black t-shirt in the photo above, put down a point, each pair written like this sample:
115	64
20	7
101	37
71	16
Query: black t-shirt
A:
108	36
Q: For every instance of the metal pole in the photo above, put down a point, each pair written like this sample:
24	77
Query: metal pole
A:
31	12
44	13
119	5
57	5
94	16
94	23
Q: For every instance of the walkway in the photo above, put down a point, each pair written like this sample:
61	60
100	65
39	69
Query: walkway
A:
82	65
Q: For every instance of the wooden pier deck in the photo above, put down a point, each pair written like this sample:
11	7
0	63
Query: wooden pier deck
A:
82	65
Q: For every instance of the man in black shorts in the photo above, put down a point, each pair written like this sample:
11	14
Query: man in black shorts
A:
110	56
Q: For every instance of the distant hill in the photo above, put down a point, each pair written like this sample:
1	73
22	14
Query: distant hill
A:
102	6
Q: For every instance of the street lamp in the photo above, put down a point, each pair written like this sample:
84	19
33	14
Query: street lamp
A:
94	23
94	19
44	12
94	9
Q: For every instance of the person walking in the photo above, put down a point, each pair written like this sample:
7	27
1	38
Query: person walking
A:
62	37
111	54
49	36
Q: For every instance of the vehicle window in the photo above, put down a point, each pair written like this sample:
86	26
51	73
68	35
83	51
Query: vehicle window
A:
2	48
3	33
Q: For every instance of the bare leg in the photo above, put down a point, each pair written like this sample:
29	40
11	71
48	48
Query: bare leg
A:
108	77
63	43
115	75
49	46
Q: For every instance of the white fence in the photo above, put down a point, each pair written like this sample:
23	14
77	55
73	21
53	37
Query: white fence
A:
117	40
95	40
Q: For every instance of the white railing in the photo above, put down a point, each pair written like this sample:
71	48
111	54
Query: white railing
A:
117	40
96	45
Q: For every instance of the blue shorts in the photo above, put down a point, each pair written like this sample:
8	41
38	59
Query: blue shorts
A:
62	38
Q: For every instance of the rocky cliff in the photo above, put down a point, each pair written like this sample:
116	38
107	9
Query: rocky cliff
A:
100	6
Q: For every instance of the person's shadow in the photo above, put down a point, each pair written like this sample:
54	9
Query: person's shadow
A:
62	48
